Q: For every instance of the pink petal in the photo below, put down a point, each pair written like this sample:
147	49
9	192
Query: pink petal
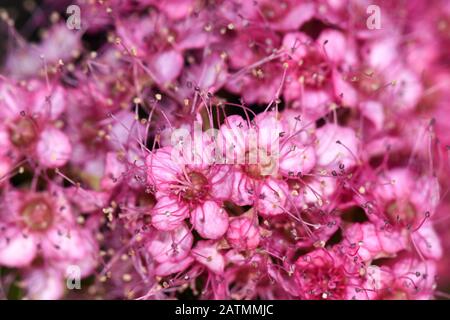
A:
16	250
167	66
206	253
243	233
168	214
173	246
44	284
210	220
162	169
169	267
332	153
272	197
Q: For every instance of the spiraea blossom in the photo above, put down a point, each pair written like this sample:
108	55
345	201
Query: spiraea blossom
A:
187	149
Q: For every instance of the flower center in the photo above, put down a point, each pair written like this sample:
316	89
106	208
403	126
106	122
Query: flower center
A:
23	133
197	187
274	11
37	214
323	283
313	70
401	212
366	80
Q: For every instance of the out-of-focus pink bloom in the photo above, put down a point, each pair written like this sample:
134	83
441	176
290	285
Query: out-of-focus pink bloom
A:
53	148
30	123
41	226
226	150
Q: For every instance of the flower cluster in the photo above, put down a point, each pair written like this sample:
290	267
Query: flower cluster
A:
226	150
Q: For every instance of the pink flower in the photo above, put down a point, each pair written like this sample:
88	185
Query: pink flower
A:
405	200
226	150
313	76
256	150
29	123
325	275
41	226
188	190
40	223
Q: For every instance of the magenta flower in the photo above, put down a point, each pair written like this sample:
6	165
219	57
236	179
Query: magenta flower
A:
188	191
245	150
